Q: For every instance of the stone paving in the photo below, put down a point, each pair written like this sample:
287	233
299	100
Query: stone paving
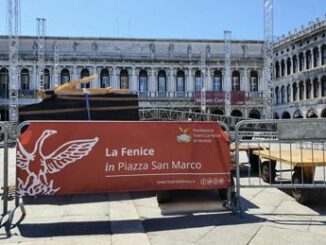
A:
272	217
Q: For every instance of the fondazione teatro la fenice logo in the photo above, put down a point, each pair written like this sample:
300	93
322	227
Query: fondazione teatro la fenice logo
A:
183	137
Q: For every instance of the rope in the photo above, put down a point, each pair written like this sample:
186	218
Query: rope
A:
88	107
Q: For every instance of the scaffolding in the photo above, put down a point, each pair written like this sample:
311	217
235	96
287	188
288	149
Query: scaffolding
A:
13	12
227	72
203	83
40	27
267	55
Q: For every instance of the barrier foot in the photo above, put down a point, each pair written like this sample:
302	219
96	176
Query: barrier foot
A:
9	223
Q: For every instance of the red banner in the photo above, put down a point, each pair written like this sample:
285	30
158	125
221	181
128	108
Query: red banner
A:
238	98
92	157
212	98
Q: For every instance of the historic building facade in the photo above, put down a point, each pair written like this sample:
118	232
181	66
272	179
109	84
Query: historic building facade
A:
165	73
300	73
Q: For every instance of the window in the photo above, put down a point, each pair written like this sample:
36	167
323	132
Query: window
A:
316	88
253	81
143	82
104	78
235	81
65	76
301	58
294	64
180	81
124	79
46	79
288	93
308	89
308	59
4	83
217	81
84	73
295	91
161	81
277	95
277	69
288	66
24	79
301	90
282	95
198	81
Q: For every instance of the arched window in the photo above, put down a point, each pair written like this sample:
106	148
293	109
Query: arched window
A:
308	89
24	79
295	63
288	93
84	73
323	113
65	76
46	79
217	81
282	94
105	78
253	81
323	86
124	79
301	58
161	81
4	83
297	114
180	82
323	54
277	69
301	91
255	114
311	114
282	68
286	115
276	116
308	59
288	66
217	111
316	87
316	57
295	91
235	81
277	99
143	82
198	81
236	113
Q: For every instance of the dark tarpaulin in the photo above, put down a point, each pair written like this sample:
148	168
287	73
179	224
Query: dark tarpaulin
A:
74	107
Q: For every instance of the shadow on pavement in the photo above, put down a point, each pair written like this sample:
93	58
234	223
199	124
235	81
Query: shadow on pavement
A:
128	226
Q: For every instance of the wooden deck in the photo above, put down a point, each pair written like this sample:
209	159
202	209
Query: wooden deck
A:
296	157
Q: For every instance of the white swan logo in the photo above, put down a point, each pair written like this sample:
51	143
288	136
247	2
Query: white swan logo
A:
38	166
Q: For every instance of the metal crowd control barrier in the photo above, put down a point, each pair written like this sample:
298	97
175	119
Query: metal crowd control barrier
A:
7	215
287	154
114	168
4	194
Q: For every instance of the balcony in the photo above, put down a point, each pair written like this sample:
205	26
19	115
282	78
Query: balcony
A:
165	95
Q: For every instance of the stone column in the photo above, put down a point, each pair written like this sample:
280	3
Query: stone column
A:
246	86
33	78
304	90
153	86
115	80
74	74
190	86
133	82
311	58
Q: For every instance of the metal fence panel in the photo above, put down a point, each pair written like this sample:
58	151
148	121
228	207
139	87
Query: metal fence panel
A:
283	154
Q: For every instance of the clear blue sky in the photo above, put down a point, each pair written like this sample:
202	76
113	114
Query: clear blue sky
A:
197	19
